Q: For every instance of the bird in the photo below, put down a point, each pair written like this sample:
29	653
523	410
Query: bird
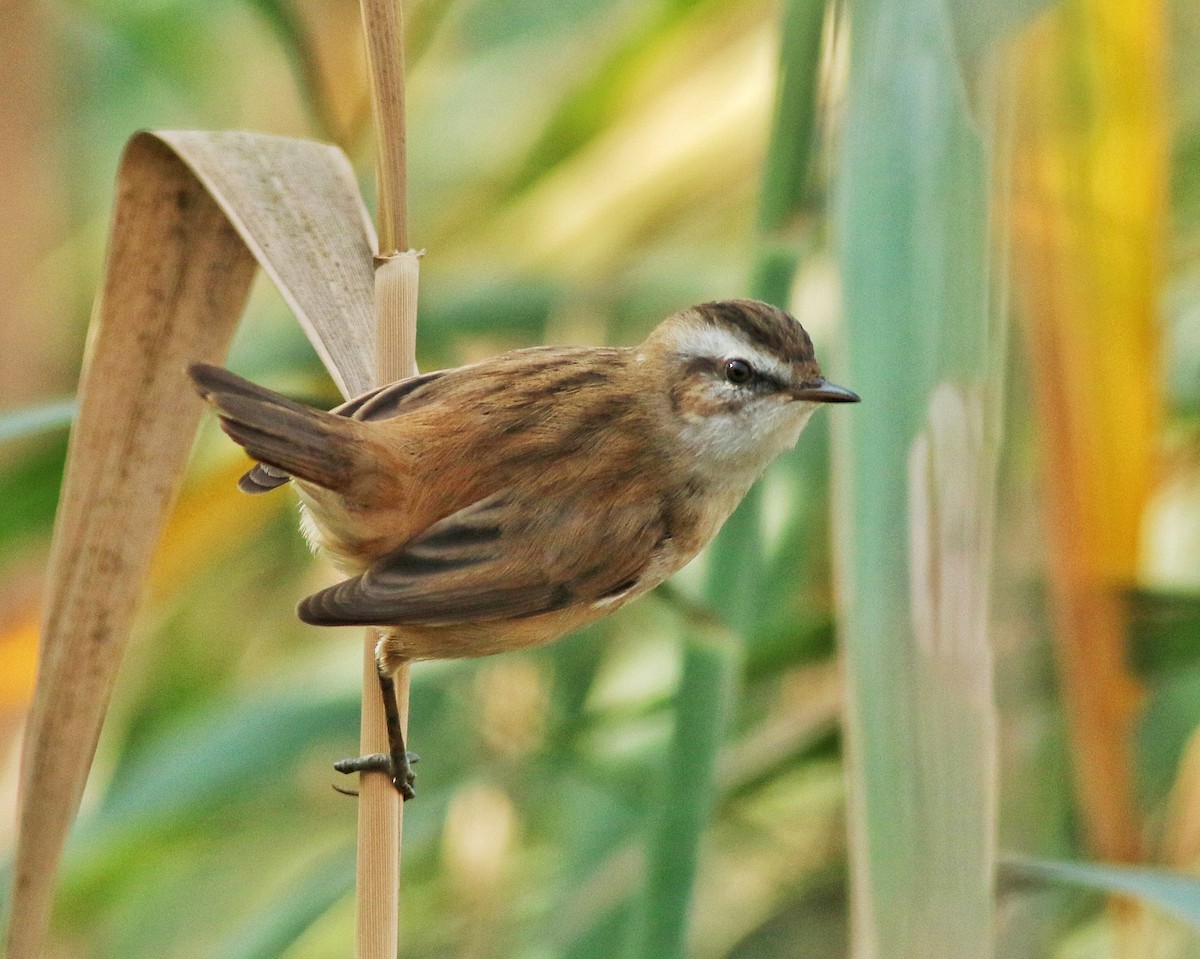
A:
499	505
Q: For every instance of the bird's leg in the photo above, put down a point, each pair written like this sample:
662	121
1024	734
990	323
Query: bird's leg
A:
397	762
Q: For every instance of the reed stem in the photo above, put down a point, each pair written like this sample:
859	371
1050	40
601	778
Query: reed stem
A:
712	656
380	811
383	22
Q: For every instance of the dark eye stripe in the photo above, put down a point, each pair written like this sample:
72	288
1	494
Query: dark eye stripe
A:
758	381
770	382
704	364
714	367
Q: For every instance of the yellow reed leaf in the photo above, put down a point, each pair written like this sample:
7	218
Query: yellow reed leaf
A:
1087	215
325	40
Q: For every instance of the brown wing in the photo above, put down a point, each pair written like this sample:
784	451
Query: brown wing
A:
503	557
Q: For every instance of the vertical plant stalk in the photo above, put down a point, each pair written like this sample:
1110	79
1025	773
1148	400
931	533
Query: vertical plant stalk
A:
383	21
924	322
712	656
380	811
380	814
711	663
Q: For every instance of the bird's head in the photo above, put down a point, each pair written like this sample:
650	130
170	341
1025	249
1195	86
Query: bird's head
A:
740	379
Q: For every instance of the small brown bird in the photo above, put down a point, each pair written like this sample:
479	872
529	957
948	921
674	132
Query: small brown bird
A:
502	504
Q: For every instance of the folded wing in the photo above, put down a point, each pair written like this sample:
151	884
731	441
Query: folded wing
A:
504	557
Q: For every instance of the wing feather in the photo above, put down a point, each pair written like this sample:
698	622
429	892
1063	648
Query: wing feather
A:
503	557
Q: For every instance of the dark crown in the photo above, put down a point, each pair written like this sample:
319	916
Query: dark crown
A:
766	326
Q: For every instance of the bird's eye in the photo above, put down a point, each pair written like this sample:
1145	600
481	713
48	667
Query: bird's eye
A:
738	372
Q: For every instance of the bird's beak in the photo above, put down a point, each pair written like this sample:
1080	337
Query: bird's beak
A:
822	391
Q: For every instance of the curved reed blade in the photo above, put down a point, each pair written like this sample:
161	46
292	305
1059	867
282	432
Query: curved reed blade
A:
1173	893
297	207
193	213
177	277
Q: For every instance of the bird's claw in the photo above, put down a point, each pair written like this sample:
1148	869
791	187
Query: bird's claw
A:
400	773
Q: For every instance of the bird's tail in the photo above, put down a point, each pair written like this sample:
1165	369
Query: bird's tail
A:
289	438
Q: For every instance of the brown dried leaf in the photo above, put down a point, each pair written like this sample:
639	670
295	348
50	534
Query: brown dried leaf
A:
297	207
193	213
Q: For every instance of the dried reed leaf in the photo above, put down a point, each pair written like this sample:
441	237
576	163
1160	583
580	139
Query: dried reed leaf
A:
193	213
297	207
176	280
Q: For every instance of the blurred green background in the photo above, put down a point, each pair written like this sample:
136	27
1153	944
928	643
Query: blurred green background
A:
1009	199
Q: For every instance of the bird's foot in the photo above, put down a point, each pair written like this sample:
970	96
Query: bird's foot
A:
398	768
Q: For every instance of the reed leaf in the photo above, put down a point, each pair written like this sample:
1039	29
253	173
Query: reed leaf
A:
1088	222
924	346
194	212
1150	933
1171	892
788	163
173	254
712	657
711	664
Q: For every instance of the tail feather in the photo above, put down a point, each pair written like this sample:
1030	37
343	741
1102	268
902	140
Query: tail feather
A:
261	478
281	433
